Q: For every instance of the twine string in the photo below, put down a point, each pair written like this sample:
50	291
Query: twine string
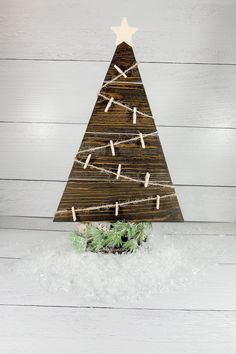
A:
121	175
108	206
116	204
128	108
118	76
118	142
100	94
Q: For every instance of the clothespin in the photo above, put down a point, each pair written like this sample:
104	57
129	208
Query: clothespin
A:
73	213
146	179
112	148
109	104
158	202
120	71
118	171
134	115
142	140
87	161
117	209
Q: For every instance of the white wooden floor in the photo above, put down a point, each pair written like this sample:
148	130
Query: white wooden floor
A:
187	58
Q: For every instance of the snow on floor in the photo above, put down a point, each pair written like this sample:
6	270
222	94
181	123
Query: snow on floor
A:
162	264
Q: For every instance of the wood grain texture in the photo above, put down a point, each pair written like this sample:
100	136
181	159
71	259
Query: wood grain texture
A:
83	194
214	291
93	331
124	153
40	199
189	95
36	150
182	95
187	229
196	31
84	191
16	246
222	237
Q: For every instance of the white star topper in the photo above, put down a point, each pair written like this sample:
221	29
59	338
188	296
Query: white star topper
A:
124	32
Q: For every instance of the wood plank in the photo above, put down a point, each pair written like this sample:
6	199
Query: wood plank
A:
182	95
213	288
137	162
83	195
189	153
187	228
40	199
62	330
197	31
18	243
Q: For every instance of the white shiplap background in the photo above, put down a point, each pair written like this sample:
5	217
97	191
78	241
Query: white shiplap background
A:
187	58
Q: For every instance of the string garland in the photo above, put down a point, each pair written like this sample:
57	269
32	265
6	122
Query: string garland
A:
108	206
112	145
137	137
121	74
120	175
128	108
111	100
120	71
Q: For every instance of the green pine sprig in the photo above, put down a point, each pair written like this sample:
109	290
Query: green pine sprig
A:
117	238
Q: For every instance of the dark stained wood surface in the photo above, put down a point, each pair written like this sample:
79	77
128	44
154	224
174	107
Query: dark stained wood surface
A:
135	160
89	187
118	119
89	193
124	58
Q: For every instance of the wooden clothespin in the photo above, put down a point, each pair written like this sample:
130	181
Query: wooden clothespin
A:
109	104
146	179
118	171
87	161
158	202
120	71
117	209
142	140
73	213
112	148
134	115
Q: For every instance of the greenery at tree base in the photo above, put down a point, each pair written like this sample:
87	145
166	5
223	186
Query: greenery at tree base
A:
118	237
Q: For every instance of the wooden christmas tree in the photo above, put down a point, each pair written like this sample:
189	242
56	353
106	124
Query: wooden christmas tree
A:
120	172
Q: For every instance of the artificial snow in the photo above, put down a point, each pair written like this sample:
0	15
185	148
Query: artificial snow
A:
161	265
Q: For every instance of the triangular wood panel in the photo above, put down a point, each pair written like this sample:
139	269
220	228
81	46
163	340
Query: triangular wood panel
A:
92	187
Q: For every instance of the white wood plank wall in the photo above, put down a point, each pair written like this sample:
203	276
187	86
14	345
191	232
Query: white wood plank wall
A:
187	58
